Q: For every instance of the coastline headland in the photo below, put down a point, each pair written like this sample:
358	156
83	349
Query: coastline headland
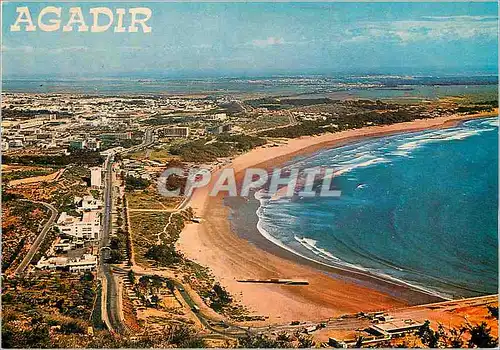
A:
330	291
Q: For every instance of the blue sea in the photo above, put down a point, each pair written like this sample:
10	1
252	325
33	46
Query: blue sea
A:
484	87
420	208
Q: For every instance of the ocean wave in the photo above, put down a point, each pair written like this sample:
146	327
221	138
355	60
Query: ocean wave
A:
337	263
494	121
440	136
311	244
401	145
345	159
367	163
401	153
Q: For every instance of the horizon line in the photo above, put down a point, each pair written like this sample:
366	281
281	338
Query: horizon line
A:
250	1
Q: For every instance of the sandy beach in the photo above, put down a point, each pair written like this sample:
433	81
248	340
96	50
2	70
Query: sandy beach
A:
330	292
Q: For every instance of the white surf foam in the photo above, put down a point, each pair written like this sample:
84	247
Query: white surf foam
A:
367	154
364	164
338	263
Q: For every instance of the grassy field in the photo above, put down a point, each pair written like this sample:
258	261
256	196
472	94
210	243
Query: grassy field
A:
158	154
144	229
148	200
265	121
23	174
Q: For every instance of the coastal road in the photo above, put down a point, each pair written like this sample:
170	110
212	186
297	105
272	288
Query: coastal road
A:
224	328
110	295
111	301
36	244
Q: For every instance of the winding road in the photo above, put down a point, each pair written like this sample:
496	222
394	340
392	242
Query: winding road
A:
36	244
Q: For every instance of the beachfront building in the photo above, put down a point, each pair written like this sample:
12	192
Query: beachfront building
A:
395	328
86	227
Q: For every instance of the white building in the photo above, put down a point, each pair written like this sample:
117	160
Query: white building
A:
217	116
52	263
88	203
87	227
175	131
87	262
17	143
112	151
63	246
96	177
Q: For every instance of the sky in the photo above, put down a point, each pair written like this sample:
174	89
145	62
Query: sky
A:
230	39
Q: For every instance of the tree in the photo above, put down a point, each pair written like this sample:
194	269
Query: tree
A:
36	336
155	300
131	276
307	342
144	282
222	294
175	182
183	337
259	341
428	336
114	243
134	183
87	277
164	254
456	337
493	310
170	285
115	256
73	327
216	306
156	281
480	336
359	342
283	337
193	343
